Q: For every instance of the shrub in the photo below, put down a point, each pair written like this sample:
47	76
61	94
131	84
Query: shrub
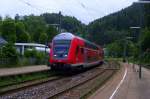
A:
30	53
40	58
8	52
35	57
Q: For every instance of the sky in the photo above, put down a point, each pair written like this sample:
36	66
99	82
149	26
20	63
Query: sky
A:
84	10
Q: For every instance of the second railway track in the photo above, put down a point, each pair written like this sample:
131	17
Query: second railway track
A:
59	88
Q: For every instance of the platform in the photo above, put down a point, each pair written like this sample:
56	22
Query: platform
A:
22	70
126	85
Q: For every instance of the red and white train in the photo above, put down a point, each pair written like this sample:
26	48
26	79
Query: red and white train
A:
69	52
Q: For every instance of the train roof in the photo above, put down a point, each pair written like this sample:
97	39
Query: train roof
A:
70	36
65	36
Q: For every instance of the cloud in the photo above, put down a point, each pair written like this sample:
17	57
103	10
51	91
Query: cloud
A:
84	10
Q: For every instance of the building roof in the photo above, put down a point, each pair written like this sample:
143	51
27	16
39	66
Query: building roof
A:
30	44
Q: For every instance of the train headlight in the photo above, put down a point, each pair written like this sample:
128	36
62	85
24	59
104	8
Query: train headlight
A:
65	55
55	55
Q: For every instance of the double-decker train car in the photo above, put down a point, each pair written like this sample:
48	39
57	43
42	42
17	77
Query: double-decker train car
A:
72	52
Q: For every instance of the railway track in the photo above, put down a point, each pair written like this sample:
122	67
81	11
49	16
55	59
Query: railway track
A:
77	83
82	89
27	84
59	87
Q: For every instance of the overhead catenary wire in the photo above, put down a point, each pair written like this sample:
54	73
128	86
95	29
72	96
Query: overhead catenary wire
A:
84	7
31	5
87	9
39	7
42	9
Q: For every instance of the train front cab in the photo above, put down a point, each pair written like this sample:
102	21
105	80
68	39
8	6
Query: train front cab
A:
66	54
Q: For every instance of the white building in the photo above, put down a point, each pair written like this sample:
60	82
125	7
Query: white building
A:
21	47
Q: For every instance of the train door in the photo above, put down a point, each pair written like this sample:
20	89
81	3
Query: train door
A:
82	54
85	56
79	54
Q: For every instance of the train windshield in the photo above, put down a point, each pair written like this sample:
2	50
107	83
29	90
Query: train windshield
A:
61	48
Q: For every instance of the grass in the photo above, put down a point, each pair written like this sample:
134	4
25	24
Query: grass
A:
113	59
16	79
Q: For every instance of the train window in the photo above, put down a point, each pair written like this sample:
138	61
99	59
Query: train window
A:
82	50
90	45
62	42
61	48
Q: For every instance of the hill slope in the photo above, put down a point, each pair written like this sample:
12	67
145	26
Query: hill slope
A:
114	26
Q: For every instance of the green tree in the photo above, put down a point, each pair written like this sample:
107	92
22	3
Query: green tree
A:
51	32
114	26
69	24
20	28
34	25
114	49
146	40
147	14
0	18
22	35
52	18
9	51
43	38
17	17
8	30
0	24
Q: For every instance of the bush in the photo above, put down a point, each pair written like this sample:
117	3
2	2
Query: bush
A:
146	58
9	53
30	53
40	58
35	57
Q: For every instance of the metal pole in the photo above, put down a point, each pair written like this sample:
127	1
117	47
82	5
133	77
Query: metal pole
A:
124	52
133	65
140	46
59	21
